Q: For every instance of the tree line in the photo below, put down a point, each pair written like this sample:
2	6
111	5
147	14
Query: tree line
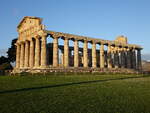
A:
5	61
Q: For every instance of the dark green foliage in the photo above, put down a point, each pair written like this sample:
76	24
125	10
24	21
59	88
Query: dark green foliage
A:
11	53
75	94
3	60
6	66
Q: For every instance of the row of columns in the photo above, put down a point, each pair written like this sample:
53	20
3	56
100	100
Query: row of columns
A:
34	54
120	54
31	55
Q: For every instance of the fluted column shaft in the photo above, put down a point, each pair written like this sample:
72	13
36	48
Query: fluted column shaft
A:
76	53
18	56
94	62
26	54
125	57
22	55
62	57
102	56
139	63
55	52
133	59
129	58
109	57
116	57
31	63
122	58
43	52
85	54
66	53
37	52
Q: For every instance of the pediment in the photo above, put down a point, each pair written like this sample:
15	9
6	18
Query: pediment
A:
28	22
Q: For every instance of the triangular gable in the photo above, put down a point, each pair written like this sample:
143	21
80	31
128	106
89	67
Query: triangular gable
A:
29	19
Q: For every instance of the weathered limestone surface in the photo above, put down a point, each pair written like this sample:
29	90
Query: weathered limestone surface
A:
76	53
66	53
31	63
22	55
37	53
55	52
102	56
33	52
43	52
94	55
85	54
26	54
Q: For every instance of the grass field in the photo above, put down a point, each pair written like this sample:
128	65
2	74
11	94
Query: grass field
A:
75	94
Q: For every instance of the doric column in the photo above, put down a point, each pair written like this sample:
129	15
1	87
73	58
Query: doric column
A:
129	58
102	56
76	53
55	51
125	57
26	54
116	57
122	57
18	55
66	53
22	55
43	51
94	62
109	57
37	52
85	53
133	58
31	60
62	57
139	63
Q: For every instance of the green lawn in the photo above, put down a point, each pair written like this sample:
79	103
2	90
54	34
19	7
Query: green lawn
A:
75	94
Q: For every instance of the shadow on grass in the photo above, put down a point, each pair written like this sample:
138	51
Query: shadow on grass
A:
67	84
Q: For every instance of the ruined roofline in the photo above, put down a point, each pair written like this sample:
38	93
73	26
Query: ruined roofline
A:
32	17
90	39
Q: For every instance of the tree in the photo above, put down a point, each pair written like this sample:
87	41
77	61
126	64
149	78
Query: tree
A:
11	53
3	60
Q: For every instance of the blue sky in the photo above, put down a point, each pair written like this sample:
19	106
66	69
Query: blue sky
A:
104	19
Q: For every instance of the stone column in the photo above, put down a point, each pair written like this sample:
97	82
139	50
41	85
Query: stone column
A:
62	57
31	60
116	57
55	51
122	56
37	52
22	55
125	57
109	57
66	53
129	58
102	56
139	63
18	56
133	58
76	53
85	53
26	54
112	56
94	62
43	52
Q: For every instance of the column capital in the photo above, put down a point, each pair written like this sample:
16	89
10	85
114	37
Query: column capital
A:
56	36
94	42
44	35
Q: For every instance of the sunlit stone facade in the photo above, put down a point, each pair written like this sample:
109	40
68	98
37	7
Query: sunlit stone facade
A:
35	53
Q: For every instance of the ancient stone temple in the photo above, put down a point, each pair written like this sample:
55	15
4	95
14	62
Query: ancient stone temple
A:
34	54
